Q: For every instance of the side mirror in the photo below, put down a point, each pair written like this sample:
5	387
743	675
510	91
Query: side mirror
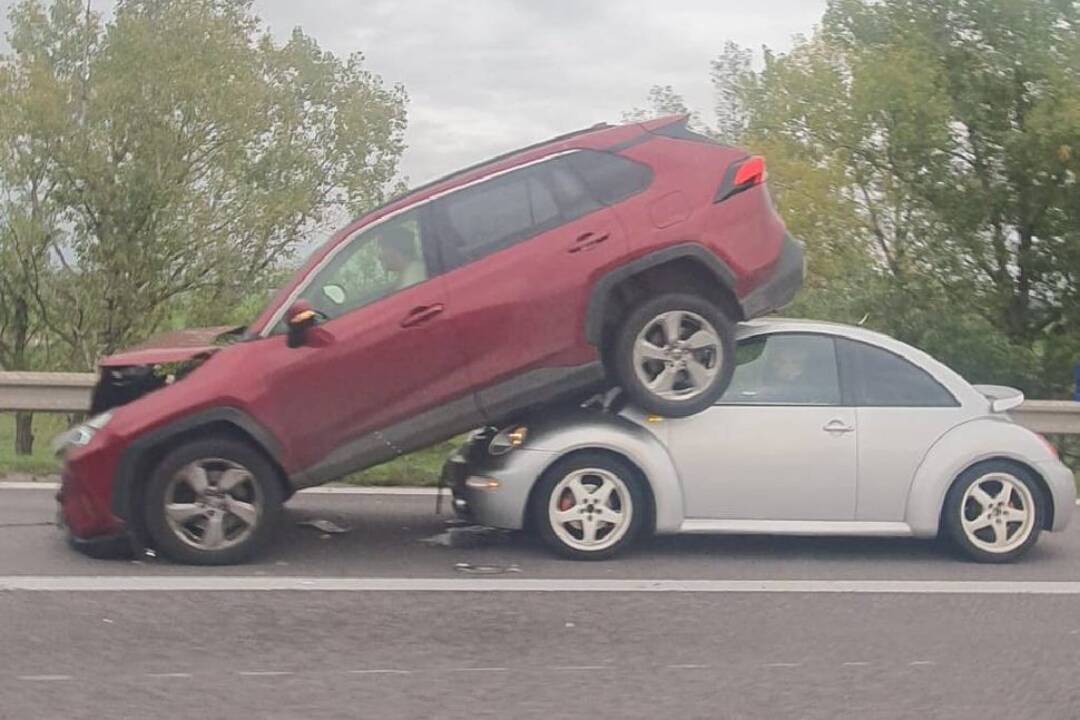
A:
300	318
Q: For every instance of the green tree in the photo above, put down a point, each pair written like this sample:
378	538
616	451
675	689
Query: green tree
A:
191	154
927	151
662	100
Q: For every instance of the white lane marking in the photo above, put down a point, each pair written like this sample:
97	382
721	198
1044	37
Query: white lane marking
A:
921	662
245	583
44	678
687	667
781	665
263	673
857	663
168	675
324	490
378	671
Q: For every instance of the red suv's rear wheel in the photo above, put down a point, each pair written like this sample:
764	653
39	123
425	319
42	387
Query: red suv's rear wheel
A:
674	354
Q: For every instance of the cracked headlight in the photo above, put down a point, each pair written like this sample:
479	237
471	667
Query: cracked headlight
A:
81	434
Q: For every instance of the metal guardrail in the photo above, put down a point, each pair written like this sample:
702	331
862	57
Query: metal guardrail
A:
46	392
70	392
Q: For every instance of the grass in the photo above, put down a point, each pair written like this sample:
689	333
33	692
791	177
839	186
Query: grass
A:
41	462
419	468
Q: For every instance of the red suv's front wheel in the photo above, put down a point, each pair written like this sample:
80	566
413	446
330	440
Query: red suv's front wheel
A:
674	354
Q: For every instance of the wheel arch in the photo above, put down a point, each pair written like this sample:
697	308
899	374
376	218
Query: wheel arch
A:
629	443
143	455
682	267
965	446
650	519
1021	466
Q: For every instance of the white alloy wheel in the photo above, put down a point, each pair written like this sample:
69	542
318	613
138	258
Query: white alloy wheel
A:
998	513
590	509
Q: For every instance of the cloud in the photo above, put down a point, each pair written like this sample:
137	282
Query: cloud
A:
485	76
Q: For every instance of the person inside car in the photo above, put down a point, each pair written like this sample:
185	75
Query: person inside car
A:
397	247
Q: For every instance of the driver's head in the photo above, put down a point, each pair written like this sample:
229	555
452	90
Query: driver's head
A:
398	248
790	365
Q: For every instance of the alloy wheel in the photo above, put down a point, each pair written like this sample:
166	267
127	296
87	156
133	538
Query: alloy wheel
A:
213	504
997	513
677	355
590	509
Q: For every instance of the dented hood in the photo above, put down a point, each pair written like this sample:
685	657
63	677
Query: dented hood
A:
175	346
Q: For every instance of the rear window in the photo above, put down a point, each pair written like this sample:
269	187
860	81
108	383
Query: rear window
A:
609	177
882	379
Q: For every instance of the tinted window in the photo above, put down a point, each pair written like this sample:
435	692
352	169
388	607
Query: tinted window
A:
784	369
373	264
495	214
570	191
880	378
608	177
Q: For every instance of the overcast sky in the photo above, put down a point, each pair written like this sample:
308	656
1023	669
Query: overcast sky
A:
485	76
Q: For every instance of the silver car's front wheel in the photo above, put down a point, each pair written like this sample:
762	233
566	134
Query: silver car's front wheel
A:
590	509
589	505
994	511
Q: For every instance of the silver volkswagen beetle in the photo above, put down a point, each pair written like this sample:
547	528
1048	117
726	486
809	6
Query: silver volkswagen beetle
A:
825	430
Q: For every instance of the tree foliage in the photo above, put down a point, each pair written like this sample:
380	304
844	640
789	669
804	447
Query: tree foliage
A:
185	154
927	151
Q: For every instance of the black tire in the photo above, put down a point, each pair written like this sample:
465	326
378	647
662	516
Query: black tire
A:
956	508
643	316
635	499
261	491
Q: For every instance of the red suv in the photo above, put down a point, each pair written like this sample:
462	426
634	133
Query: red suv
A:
617	253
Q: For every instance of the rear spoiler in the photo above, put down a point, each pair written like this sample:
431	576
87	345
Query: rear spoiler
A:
1002	398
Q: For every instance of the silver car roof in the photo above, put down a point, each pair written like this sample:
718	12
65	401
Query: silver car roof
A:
957	385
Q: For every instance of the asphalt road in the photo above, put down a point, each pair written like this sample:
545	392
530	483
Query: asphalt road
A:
552	654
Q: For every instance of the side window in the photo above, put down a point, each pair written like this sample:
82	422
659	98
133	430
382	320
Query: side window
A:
570	191
784	369
882	379
494	215
609	177
373	264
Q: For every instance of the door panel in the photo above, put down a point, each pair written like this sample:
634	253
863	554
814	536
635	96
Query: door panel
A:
368	372
781	445
520	304
767	462
385	352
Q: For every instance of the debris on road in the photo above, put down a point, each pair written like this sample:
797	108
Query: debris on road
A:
486	569
327	527
468	536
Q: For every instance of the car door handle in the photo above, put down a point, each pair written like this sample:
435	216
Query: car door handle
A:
587	241
837	426
422	314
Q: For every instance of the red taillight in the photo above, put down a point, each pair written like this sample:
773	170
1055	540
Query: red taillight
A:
740	176
751	172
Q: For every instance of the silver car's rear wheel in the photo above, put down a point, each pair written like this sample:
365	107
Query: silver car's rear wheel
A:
998	513
590	509
994	511
589	505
